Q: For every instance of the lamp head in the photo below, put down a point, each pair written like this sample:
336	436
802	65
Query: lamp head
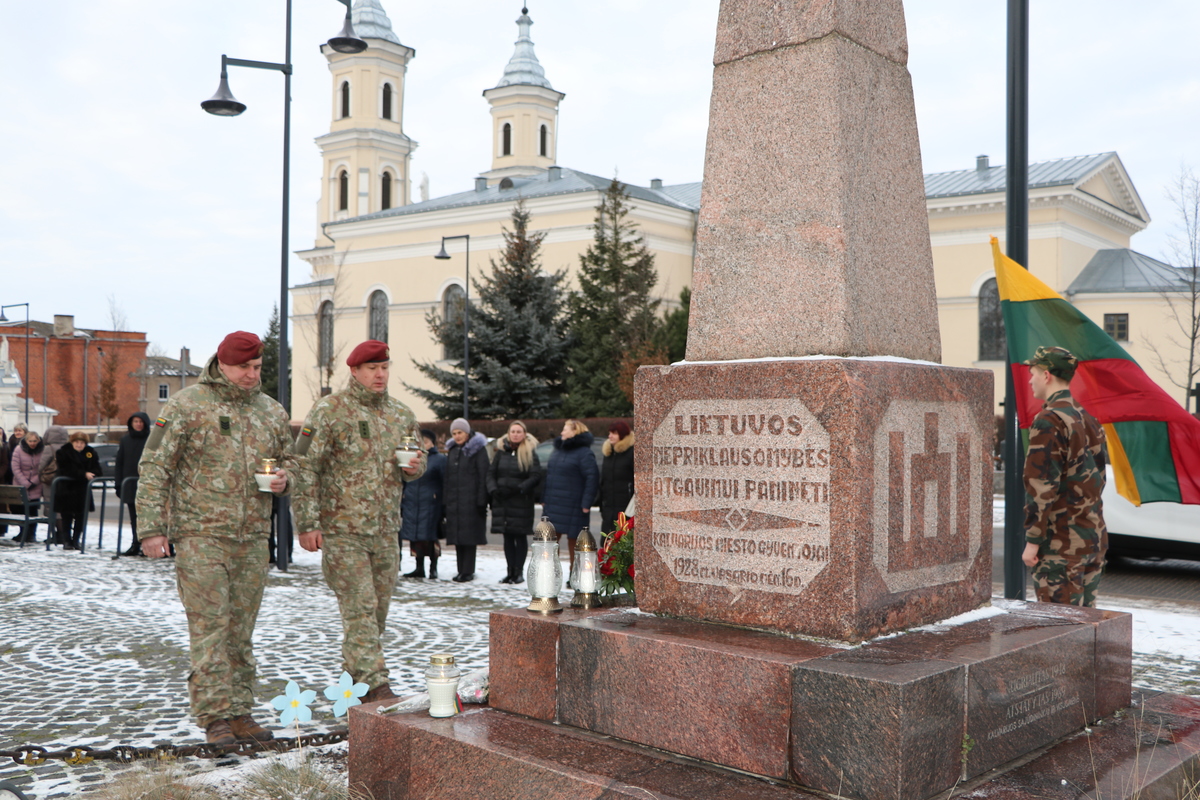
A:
223	103
442	255
346	41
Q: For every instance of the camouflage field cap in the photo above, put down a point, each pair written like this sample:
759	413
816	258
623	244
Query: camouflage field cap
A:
1058	361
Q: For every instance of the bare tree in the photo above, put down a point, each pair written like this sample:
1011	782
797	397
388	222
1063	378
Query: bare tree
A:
1183	299
117	321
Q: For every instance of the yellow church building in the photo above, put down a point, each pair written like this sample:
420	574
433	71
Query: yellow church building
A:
374	274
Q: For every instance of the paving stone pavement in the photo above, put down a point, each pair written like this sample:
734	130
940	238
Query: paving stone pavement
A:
93	651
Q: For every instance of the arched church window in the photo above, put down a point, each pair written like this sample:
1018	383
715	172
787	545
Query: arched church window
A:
377	326
325	338
992	346
385	192
506	140
345	99
543	135
452	313
343	190
387	101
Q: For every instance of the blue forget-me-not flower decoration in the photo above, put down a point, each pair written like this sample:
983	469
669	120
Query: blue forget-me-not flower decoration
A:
293	704
345	693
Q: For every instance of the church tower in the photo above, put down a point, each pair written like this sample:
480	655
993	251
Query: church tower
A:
366	154
524	114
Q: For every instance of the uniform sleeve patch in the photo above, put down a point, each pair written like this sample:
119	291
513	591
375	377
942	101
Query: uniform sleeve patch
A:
306	431
156	435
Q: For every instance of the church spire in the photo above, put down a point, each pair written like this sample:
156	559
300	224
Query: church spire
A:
371	21
523	69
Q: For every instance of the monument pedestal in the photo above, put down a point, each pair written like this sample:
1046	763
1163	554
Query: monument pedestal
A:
696	710
833	497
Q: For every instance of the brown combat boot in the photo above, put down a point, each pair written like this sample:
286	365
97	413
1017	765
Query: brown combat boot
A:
218	732
244	727
380	692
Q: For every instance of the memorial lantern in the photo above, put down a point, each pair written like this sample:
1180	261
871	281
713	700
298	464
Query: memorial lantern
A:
585	574
544	575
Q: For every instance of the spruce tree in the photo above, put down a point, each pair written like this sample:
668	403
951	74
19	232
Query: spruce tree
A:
270	356
518	337
612	314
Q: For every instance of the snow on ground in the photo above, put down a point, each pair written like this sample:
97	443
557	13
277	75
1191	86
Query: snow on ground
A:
94	650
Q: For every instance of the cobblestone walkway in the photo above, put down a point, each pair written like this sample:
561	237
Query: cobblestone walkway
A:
94	651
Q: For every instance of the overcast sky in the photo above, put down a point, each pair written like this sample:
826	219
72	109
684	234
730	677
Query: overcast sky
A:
116	183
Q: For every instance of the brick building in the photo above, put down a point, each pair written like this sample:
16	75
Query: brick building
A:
67	366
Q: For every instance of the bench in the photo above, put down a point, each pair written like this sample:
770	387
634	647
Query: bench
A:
18	496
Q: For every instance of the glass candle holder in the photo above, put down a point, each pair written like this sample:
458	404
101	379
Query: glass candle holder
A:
441	681
544	575
585	575
407	452
265	474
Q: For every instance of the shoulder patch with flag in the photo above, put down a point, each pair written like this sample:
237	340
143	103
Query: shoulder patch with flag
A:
1153	442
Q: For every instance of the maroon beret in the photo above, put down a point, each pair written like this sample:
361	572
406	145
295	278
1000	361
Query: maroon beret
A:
239	347
370	350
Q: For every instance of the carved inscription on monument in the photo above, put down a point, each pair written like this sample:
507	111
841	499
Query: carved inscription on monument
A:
741	494
928	494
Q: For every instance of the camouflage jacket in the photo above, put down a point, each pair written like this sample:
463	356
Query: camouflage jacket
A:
350	481
197	471
1064	476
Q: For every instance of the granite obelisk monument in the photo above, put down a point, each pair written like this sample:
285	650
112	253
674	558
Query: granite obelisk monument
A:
811	468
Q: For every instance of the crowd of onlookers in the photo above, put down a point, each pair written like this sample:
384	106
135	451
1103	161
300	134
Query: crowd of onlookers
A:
34	461
449	503
451	500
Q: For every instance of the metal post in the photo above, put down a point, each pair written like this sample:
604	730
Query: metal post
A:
1017	246
283	530
467	338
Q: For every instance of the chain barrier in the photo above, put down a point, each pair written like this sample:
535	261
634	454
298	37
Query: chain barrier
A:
31	755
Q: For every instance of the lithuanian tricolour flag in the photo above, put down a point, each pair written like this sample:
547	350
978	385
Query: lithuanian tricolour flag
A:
1153	442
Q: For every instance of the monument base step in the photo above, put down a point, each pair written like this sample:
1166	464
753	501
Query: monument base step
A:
1149	751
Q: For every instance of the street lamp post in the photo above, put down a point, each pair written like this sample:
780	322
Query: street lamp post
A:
25	377
443	255
224	104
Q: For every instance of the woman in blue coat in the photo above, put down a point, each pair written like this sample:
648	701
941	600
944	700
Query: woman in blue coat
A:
572	478
421	510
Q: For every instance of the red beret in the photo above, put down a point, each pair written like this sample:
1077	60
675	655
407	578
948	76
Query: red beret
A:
239	347
370	350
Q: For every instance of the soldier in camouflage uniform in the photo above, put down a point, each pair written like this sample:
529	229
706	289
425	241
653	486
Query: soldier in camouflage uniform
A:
1065	537
348	504
198	492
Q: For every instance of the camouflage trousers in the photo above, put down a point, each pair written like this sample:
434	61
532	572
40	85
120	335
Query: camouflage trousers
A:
1058	580
361	571
221	585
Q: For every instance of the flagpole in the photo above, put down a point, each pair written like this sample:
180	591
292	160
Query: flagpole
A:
1017	247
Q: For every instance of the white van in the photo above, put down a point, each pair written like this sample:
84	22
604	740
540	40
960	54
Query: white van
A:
1162	530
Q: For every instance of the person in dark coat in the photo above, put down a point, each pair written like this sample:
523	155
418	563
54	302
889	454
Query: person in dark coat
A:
616	475
465	496
129	452
77	461
514	483
571	481
421	510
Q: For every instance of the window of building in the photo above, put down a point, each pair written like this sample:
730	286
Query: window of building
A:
345	91
377	326
452	311
343	190
1117	326
543	135
506	140
385	192
325	337
387	101
992	346
164	392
